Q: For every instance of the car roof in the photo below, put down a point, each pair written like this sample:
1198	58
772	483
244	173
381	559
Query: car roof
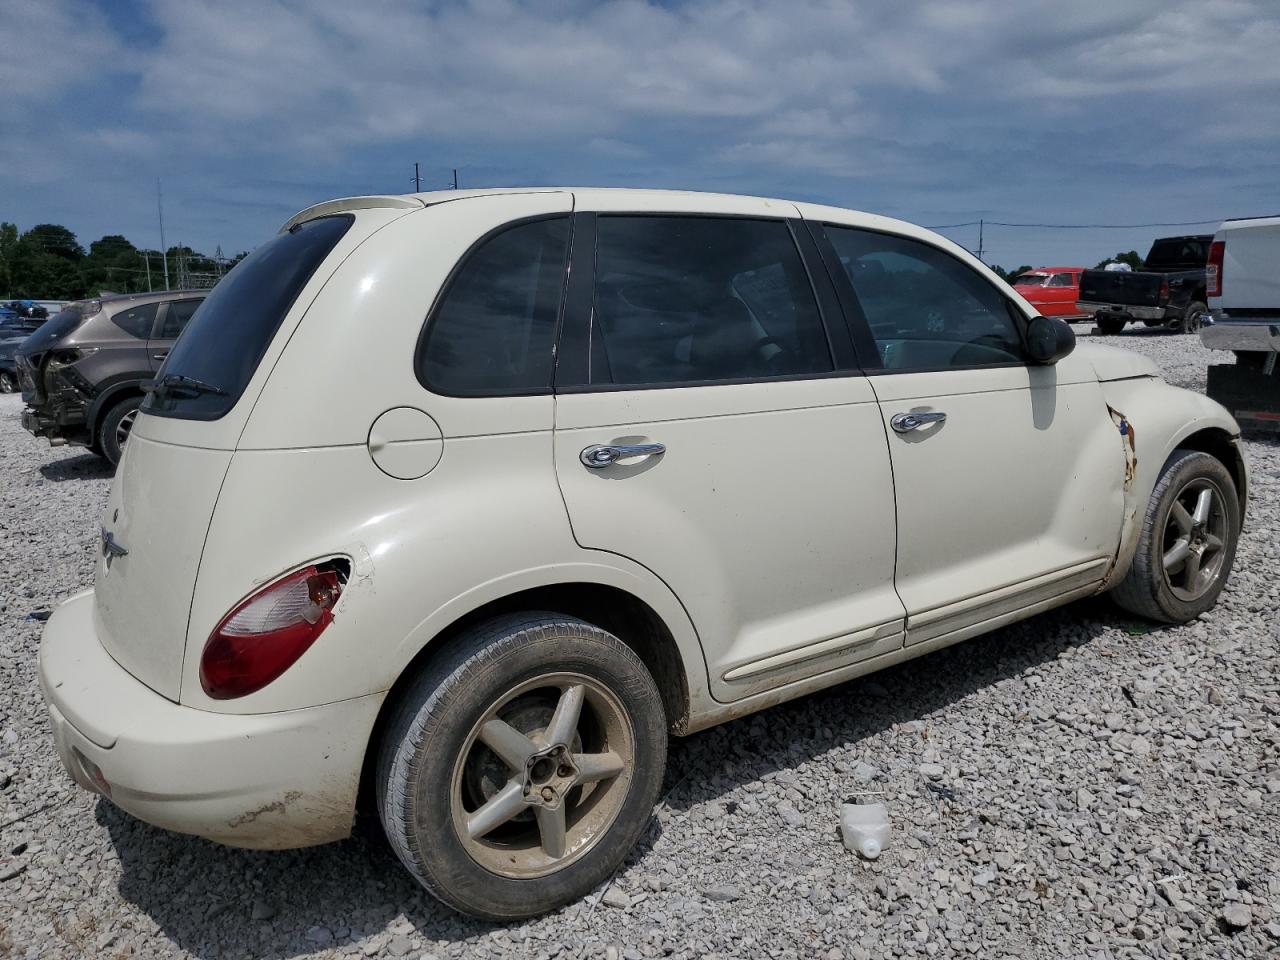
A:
116	299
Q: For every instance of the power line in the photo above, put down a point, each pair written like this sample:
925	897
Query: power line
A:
1078	226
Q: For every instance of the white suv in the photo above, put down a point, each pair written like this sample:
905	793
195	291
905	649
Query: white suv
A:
470	498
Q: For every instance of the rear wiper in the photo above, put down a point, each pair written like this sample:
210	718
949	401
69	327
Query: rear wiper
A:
177	384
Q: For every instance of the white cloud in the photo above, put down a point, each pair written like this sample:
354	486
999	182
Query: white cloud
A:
919	107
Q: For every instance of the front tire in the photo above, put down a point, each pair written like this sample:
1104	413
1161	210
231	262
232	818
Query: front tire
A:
114	430
523	765
8	384
1188	541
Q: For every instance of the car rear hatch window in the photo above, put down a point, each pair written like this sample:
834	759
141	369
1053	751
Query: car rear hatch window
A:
216	356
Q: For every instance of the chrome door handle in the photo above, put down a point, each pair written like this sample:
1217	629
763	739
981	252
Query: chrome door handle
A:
603	454
159	356
906	422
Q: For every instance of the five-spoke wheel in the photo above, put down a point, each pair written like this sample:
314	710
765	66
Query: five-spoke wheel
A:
543	775
522	765
1187	543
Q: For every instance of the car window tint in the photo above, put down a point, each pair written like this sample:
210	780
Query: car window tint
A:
493	333
925	308
136	321
176	318
700	299
227	337
1060	280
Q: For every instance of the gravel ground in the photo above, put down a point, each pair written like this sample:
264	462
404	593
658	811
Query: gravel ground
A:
1078	785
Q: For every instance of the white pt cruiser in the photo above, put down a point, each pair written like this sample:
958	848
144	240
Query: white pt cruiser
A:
462	502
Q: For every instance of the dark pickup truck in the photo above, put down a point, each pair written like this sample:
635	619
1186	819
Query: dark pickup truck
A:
1169	290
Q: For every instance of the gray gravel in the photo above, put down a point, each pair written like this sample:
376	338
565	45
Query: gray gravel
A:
1079	785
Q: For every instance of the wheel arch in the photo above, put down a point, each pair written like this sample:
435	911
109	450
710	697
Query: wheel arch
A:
1163	418
622	612
108	398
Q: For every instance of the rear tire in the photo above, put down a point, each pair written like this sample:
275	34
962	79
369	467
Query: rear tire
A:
115	427
1191	318
514	835
7	382
1110	326
1162	584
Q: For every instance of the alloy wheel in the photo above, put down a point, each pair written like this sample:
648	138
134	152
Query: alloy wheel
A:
125	427
1195	535
542	775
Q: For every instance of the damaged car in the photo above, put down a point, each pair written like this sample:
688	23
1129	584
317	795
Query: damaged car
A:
83	376
459	504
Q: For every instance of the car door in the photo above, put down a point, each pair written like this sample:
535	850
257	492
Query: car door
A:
709	429
171	321
1059	296
1008	475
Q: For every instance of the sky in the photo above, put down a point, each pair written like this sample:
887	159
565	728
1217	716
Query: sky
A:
934	111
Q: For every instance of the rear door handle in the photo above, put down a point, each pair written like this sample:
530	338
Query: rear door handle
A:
159	356
906	422
603	454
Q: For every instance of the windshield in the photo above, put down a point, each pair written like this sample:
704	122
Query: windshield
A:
226	337
1030	280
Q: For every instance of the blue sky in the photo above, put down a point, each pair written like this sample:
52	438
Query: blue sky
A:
936	112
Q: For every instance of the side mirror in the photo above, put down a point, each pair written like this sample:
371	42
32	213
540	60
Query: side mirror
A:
1049	339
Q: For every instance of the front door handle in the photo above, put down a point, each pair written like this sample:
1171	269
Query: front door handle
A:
603	454
906	422
159	356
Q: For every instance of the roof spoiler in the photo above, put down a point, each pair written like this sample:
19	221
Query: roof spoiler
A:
330	207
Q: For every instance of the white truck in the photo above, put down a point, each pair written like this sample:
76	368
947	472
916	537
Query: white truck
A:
1243	286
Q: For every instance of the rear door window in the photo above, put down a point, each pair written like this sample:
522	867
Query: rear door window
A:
701	300
136	320
211	365
1060	280
176	318
493	333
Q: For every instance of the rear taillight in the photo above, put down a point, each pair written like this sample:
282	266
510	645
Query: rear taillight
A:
265	634
1213	269
1164	290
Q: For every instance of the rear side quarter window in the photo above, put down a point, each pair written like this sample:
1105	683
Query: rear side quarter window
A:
492	332
137	320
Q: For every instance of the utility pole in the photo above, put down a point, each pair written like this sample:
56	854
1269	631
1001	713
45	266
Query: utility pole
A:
164	253
417	179
147	259
981	223
455	178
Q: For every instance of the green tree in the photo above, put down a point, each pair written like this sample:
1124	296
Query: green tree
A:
57	240
8	242
1008	276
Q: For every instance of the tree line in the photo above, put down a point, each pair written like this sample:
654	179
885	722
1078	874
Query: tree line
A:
48	262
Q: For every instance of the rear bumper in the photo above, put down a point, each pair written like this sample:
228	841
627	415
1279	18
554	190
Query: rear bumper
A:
275	780
1122	309
1260	336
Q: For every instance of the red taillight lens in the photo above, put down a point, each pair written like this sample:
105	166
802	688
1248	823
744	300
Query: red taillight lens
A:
1213	269
265	634
1164	289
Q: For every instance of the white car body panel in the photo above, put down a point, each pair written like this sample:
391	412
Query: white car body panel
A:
895	539
1250	266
